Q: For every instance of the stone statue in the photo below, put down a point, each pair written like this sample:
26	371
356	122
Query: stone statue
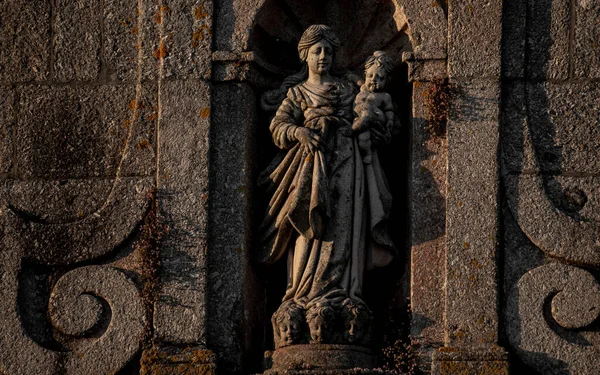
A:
373	106
328	210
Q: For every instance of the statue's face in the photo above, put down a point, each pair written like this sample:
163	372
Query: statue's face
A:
288	332
376	78
319	332
320	57
354	331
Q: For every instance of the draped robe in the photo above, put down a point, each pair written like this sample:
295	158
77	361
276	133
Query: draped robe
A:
328	212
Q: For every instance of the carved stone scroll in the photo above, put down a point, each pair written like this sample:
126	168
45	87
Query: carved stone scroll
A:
548	303
75	309
554	232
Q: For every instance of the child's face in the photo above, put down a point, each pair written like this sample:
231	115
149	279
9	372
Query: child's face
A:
319	330
354	330
376	78
288	331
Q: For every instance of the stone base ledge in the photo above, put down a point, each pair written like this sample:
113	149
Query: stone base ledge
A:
321	359
328	372
173	360
470	361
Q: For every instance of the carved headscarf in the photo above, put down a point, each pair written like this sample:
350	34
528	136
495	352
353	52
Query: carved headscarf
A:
314	34
271	100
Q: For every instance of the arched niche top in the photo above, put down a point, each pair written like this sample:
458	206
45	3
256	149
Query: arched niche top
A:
424	22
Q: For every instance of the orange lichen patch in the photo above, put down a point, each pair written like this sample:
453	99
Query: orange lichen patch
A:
460	204
205	112
134	30
198	35
125	124
143	144
161	51
151	117
127	22
158	17
466	245
200	13
434	4
138	46
133	105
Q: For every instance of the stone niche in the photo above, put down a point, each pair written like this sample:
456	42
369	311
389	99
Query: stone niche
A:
362	28
248	65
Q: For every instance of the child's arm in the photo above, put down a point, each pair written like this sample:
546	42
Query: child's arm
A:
388	108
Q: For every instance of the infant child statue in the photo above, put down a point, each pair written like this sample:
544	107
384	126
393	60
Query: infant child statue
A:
373	107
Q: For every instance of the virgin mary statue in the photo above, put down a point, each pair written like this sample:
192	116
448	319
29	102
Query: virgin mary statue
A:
328	211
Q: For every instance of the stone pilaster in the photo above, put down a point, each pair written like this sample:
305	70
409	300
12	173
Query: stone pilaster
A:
472	312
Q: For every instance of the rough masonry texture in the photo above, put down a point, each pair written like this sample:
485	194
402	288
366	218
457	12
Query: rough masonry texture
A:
133	139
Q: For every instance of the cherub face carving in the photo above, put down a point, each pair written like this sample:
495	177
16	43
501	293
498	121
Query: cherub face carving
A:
376	78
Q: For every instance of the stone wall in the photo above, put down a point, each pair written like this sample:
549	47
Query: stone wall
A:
131	138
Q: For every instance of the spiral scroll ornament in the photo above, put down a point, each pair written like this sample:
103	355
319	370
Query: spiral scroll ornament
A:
545	307
75	308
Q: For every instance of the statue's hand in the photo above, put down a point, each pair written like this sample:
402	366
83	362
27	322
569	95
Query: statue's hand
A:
309	139
347	131
380	137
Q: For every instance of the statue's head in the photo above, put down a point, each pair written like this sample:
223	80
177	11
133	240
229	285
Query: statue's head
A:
357	322
320	319
287	324
317	48
377	70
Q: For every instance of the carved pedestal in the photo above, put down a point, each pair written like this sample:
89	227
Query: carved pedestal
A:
320	358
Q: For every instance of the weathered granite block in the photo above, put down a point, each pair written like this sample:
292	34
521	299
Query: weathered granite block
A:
232	23
428	234
235	324
179	315
517	150
124	28
453	361
70	132
188	361
586	58
520	254
557	133
77	29
172	38
25	41
471	288
474	33
514	38
548	43
187	37
7	119
429	28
